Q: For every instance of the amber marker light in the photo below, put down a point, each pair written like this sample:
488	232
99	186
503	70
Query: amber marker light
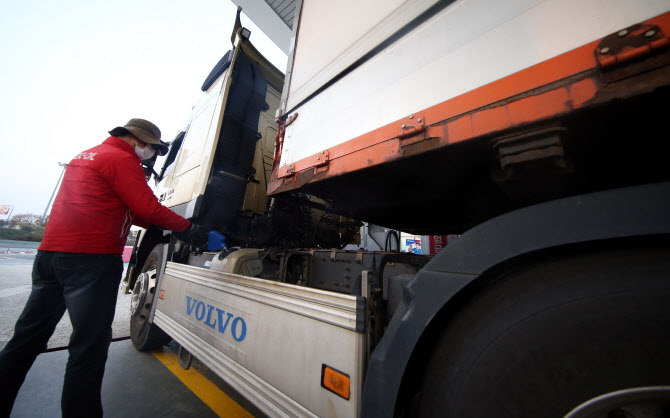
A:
335	381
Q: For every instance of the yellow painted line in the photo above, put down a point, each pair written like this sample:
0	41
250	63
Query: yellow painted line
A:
207	391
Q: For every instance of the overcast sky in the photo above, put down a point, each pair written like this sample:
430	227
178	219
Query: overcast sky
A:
71	70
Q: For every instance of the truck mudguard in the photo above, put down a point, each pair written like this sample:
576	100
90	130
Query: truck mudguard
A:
620	213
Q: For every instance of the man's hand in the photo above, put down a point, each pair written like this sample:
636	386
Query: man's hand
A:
195	235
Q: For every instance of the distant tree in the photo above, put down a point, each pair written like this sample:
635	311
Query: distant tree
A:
26	219
22	232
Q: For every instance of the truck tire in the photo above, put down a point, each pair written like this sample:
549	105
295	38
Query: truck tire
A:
145	335
544	339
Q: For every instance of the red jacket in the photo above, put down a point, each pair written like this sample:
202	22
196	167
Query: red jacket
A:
103	193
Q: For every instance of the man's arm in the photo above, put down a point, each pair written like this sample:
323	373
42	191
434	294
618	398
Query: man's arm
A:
140	222
127	180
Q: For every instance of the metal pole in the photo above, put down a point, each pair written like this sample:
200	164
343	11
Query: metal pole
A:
54	192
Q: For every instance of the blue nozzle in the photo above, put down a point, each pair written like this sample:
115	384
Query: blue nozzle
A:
216	241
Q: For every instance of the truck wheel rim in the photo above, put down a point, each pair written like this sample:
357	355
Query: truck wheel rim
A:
139	294
652	401
140	303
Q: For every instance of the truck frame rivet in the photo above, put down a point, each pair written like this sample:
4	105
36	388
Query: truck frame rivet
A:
622	33
411	117
403	127
650	33
604	50
418	120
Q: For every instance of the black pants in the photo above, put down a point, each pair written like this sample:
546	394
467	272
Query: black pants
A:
87	286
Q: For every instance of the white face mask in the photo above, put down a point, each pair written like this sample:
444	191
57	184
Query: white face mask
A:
145	153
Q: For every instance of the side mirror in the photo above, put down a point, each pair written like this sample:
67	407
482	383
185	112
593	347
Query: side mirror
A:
148	167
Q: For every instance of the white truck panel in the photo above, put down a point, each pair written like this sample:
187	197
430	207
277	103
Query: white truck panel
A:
467	45
274	336
334	34
200	136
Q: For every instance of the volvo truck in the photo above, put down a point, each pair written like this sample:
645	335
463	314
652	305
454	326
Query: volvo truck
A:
535	131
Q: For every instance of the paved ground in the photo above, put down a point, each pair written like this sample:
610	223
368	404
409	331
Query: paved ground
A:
15	284
135	385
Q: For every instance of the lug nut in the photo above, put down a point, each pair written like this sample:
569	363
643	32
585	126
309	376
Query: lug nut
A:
649	33
623	32
604	50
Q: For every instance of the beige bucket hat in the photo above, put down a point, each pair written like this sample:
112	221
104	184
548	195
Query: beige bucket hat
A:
145	131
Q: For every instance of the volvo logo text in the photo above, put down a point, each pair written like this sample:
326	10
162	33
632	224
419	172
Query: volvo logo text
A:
216	318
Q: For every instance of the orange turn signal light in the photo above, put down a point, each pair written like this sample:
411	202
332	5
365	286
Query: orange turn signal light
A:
335	381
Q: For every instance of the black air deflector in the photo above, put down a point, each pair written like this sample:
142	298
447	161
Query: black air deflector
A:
235	151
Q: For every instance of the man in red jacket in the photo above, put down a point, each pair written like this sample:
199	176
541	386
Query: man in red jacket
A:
78	265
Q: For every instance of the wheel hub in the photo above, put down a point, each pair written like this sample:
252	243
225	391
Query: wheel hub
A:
140	303
139	294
